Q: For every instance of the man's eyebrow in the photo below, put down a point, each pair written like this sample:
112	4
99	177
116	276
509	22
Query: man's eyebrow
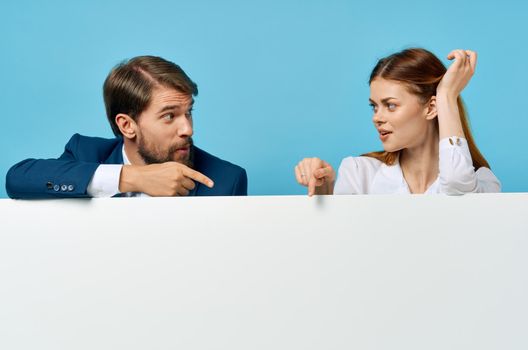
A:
169	108
173	107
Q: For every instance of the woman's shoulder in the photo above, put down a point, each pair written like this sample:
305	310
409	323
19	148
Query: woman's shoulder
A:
355	175
361	162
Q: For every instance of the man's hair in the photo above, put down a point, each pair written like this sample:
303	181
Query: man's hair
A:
128	88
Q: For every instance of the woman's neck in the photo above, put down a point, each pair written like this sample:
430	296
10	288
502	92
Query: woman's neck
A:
419	164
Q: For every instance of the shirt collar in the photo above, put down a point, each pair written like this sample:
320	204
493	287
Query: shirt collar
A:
125	158
391	172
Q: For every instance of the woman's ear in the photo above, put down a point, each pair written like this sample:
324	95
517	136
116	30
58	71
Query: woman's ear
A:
126	125
431	112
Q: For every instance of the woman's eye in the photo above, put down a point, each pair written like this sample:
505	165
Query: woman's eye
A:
372	107
391	106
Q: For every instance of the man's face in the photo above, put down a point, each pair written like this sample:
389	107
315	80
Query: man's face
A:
165	128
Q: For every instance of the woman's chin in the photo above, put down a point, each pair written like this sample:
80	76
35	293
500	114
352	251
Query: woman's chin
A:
390	148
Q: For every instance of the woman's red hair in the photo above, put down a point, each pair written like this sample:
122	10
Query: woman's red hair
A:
421	71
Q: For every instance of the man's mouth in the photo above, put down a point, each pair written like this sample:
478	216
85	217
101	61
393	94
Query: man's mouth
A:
183	150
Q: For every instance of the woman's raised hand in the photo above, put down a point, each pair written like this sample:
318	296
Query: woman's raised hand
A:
458	74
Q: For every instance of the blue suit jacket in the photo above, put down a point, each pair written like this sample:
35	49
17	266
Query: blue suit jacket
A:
69	175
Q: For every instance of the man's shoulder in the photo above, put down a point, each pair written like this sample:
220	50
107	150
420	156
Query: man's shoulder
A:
206	161
92	147
82	140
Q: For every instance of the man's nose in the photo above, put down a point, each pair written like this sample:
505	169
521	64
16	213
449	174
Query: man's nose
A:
185	127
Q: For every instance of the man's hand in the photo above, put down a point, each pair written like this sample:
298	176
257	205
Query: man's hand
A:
165	179
316	174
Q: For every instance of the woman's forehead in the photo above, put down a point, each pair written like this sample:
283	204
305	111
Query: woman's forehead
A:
383	88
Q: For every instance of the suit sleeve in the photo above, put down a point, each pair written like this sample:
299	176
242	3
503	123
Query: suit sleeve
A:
64	177
240	188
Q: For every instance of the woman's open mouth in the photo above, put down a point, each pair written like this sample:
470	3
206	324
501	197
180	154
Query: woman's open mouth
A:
384	135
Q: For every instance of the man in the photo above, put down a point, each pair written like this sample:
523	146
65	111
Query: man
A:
149	106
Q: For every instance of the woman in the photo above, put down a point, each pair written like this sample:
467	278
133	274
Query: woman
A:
422	123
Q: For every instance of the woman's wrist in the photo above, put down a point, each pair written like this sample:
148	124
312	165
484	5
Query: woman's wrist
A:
448	115
447	96
326	188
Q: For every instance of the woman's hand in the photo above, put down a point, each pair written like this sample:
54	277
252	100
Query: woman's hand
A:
316	174
458	74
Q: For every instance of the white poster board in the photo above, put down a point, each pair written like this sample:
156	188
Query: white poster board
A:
278	272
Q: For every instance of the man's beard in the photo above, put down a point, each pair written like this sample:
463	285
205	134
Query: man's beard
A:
152	157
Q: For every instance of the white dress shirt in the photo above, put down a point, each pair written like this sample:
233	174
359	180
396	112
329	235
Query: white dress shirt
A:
105	181
367	175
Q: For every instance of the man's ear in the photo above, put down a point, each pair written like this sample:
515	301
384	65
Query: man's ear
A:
126	125
431	112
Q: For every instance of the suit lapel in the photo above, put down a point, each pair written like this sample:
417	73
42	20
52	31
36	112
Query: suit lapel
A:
193	192
198	166
116	156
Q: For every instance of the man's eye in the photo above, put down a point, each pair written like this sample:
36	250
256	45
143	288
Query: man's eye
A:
189	114
168	117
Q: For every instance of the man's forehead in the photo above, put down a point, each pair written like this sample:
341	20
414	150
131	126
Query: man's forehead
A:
162	96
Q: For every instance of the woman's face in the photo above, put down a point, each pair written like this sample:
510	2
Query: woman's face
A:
401	119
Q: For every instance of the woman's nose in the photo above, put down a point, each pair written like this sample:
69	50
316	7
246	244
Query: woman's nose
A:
377	118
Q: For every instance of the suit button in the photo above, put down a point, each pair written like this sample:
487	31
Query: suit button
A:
49	185
56	188
70	188
64	188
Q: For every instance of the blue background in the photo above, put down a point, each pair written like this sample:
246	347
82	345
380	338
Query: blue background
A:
278	80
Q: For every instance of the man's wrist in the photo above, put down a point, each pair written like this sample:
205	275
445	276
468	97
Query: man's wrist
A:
128	180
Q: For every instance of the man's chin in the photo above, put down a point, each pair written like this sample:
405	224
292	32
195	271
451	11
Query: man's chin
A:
185	160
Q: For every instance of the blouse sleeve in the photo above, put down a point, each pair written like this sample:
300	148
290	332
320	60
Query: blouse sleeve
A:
457	174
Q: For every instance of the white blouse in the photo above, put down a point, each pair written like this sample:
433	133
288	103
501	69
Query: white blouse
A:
366	175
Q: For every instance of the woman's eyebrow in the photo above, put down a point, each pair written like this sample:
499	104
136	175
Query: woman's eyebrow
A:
383	100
